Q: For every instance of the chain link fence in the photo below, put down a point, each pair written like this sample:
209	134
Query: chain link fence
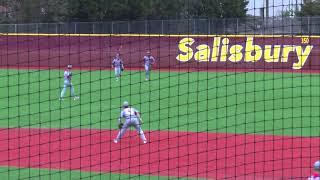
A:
274	25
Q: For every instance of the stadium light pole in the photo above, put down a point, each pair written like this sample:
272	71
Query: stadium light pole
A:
267	8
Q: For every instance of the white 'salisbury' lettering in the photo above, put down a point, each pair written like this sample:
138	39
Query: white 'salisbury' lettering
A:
222	51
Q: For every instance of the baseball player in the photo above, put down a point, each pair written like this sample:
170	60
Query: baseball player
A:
148	62
316	167
132	118
117	64
67	83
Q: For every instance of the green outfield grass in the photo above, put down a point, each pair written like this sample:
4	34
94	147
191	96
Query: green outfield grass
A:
44	174
263	103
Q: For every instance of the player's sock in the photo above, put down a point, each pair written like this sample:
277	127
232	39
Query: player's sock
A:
72	91
143	137
121	133
62	93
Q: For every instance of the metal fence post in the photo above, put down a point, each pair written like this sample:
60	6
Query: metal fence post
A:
37	28
291	26
112	27
146	27
162	27
309	29
225	28
93	28
75	28
194	26
128	26
209	27
237	29
15	28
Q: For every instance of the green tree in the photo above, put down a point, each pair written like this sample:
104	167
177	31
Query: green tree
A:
218	8
234	8
310	8
126	9
101	10
164	8
54	10
37	10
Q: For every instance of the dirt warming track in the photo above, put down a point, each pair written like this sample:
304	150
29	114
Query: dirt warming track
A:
203	155
176	51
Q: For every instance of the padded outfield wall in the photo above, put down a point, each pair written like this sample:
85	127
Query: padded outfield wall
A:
221	125
208	52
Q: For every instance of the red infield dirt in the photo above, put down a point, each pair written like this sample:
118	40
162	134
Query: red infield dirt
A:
181	154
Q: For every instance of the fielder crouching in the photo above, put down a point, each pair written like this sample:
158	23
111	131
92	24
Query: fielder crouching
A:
132	118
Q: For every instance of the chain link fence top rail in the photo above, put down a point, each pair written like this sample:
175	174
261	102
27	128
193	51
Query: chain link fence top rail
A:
274	25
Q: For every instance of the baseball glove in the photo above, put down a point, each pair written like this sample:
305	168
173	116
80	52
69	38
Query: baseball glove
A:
122	69
120	125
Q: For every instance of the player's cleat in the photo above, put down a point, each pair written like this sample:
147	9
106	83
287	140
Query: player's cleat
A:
76	98
147	79
115	141
61	99
145	142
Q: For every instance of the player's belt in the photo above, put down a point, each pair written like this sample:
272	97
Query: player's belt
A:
130	117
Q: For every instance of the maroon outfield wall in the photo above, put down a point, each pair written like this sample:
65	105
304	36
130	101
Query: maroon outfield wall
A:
206	52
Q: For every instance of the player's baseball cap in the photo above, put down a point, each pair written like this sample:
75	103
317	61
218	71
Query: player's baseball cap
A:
125	104
316	165
69	66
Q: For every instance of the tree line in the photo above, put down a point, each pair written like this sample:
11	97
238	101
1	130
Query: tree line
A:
103	10
310	8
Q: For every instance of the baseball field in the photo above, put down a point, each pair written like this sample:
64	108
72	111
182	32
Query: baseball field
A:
201	122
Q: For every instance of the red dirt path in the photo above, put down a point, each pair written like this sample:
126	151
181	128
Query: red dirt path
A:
182	154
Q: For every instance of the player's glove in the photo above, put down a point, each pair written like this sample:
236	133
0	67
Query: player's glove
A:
122	69
120	125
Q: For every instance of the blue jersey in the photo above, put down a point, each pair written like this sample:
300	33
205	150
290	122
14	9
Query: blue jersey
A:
148	60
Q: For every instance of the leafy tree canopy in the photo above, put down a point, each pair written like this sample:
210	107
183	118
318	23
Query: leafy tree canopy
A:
102	10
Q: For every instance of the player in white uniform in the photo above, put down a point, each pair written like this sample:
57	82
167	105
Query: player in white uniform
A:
316	167
117	64
132	118
148	62
67	83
